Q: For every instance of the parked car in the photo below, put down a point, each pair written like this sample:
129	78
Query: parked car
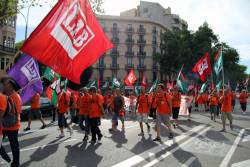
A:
46	109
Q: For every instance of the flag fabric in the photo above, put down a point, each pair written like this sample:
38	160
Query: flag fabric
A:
154	86
218	54
218	85
115	83
92	83
106	85
144	81
130	78
67	39
218	65
203	67
51	75
170	85
52	96
26	73
203	87
137	89
181	82
246	82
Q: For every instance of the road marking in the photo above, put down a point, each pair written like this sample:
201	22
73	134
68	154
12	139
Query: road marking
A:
155	161
230	153
46	145
188	162
151	152
132	126
241	164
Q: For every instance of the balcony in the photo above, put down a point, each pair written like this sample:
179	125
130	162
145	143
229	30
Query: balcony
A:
140	41
155	68
101	66
115	30
154	31
141	54
129	54
154	42
129	66
141	67
114	66
141	30
115	40
130	41
114	53
7	49
130	30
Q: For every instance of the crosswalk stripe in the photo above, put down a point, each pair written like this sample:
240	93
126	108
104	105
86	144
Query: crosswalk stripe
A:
155	161
188	162
151	152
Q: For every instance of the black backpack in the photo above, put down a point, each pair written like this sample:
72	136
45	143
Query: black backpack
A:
10	116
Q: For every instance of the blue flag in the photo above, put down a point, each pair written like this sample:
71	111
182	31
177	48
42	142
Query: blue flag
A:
26	73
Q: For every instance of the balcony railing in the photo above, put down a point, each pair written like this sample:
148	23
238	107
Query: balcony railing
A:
101	66
115	29
154	31
129	41
115	40
141	54
130	30
141	30
129	54
114	53
7	49
141	67
140	41
129	66
114	66
155	68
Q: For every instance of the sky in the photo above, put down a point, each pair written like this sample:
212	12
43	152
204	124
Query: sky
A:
229	19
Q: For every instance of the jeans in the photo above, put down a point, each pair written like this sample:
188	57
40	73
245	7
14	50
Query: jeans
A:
86	128
14	144
62	121
94	124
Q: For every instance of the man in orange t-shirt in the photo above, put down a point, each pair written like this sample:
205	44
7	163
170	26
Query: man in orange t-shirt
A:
63	107
164	111
213	104
95	114
9	86
142	107
73	107
176	103
226	109
3	106
201	103
233	95
243	100
84	101
35	111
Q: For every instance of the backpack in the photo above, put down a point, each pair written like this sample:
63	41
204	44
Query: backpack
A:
10	116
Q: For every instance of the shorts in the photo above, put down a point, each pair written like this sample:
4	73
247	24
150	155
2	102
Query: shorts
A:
226	115
243	106
142	117
190	109
62	121
175	112
35	113
165	119
213	109
116	116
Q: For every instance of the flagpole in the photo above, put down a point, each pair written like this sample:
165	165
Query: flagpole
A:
223	76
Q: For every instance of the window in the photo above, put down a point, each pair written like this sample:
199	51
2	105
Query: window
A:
130	61
154	50
114	61
2	63
145	10
141	26
154	30
101	74
141	37
114	25
141	48
130	26
130	38
4	41
130	49
7	61
101	60
141	61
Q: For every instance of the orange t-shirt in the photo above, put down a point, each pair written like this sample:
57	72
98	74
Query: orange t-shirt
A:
226	103
35	102
3	105
17	100
95	109
243	98
143	104
85	104
213	101
63	102
74	99
233	95
108	99
200	99
162	106
176	100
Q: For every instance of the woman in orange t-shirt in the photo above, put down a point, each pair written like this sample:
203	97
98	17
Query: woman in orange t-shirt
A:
233	95
226	109
213	104
176	103
95	113
164	110
3	106
243	100
63	107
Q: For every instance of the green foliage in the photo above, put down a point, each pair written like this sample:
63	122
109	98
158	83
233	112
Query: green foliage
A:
185	47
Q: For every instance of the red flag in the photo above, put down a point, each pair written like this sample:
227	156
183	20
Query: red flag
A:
218	54
203	67
69	39
130	78
144	81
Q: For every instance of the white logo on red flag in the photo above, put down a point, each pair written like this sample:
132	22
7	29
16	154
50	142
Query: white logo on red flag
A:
203	66
72	31
30	70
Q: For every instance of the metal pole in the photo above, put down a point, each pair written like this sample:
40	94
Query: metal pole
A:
223	77
27	20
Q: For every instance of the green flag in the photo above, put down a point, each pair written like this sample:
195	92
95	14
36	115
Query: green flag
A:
181	82
50	75
203	87
154	86
92	83
218	65
115	83
218	85
137	89
106	85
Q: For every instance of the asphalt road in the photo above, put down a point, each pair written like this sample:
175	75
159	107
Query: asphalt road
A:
196	143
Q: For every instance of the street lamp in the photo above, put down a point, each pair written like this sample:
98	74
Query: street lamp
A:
27	19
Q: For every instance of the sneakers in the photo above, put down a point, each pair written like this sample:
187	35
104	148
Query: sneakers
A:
100	137
61	136
43	127
141	134
26	129
86	138
157	139
171	136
